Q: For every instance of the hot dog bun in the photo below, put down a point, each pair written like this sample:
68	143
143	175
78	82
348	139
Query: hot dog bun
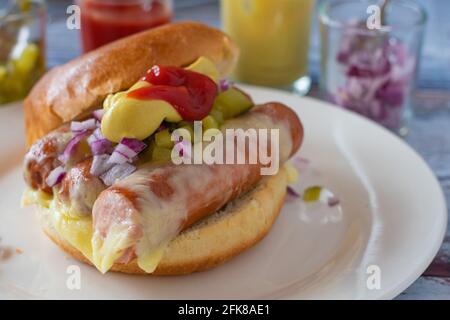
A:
74	89
213	240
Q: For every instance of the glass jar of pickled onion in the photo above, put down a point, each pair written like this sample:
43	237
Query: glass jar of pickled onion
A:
368	68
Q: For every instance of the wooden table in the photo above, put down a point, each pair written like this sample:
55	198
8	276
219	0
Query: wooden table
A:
429	134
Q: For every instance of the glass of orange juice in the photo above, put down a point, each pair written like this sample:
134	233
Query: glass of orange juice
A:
274	40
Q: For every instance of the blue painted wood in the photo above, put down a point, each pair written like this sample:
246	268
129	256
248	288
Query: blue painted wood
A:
428	288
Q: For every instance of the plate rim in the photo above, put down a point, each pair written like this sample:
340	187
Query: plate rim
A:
443	215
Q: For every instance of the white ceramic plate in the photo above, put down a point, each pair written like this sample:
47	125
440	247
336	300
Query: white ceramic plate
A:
393	217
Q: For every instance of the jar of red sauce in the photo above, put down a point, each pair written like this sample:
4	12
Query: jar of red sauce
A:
103	21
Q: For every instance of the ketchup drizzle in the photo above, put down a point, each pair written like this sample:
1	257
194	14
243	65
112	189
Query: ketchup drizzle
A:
192	94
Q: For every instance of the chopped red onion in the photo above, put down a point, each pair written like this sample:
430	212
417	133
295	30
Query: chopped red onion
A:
97	135
301	160
134	144
71	147
225	85
89	124
162	127
300	163
378	71
333	201
91	139
118	158
391	93
117	172
291	191
367	64
55	176
99	144
126	151
98	114
103	146
100	165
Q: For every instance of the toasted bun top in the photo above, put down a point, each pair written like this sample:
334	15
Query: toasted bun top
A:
74	89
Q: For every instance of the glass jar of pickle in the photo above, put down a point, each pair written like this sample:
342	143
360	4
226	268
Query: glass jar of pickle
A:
22	43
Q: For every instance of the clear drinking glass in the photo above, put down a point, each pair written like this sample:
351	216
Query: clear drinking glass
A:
368	68
22	47
274	40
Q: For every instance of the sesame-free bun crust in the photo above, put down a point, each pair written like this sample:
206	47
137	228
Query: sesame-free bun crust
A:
213	240
72	90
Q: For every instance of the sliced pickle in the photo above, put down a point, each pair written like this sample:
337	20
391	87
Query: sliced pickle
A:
12	87
312	194
84	148
232	103
3	72
161	154
27	60
146	155
184	124
25	5
217	115
163	139
209	123
18	74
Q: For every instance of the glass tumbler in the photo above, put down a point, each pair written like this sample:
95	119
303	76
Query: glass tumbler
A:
22	47
370	57
273	37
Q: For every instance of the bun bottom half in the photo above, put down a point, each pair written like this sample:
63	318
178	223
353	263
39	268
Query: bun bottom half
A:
211	241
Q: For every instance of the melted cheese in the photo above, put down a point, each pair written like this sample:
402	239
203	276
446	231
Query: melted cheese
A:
78	232
150	261
292	173
107	251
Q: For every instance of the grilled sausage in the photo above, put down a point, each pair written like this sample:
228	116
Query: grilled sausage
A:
150	207
42	158
79	189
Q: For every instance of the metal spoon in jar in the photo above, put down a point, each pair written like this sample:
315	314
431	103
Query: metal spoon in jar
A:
383	5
